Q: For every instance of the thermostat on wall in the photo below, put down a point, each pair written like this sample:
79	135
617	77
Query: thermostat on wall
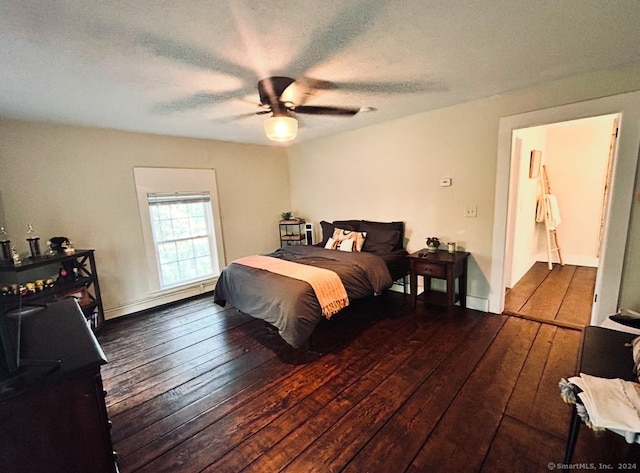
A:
445	182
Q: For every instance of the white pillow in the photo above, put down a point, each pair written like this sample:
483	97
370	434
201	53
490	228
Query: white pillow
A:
346	245
635	348
341	245
357	237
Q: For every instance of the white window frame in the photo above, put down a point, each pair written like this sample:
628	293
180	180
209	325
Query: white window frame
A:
172	180
156	202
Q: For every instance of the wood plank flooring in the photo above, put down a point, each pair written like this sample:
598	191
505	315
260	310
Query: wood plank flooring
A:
198	388
562	296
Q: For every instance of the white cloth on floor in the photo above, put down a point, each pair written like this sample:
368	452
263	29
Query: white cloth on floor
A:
611	403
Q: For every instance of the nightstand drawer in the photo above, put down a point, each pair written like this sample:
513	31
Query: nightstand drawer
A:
430	269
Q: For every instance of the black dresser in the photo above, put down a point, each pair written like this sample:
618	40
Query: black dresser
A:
53	417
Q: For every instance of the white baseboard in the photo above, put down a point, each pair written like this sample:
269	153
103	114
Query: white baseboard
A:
476	303
578	260
159	299
573	260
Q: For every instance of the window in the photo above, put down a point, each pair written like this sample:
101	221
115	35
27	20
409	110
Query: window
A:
180	226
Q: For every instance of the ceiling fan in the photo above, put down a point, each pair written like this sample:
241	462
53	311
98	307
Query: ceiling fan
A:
284	97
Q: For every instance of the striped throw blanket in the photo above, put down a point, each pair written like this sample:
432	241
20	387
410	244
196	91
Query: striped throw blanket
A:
326	284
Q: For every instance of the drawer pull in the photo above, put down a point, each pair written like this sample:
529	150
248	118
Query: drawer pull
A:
431	270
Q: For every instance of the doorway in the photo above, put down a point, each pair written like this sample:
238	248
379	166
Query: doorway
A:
571	162
614	239
561	297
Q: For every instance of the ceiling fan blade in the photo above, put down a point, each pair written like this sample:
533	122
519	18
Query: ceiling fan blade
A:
192	56
391	87
198	100
241	116
303	89
320	110
328	39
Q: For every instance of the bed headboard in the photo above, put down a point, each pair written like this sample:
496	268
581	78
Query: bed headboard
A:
382	237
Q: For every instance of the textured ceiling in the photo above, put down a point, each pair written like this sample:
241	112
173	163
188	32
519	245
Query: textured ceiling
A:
190	68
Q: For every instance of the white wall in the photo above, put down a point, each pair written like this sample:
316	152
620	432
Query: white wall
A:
576	160
78	182
525	246
392	171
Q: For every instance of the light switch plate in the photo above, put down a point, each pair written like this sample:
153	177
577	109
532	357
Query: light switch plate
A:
445	182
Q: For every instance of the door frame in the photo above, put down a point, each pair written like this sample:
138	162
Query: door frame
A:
609	275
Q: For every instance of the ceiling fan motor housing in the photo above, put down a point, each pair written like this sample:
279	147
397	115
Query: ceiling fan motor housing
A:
271	89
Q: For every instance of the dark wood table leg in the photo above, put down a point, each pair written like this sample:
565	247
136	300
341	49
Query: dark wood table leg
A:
426	282
451	290
413	286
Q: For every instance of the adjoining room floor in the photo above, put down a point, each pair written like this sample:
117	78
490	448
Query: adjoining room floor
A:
562	296
198	388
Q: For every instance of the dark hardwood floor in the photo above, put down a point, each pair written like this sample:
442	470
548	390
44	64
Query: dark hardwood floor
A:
562	296
198	388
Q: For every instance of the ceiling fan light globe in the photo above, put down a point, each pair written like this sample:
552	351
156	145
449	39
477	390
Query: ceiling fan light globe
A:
281	128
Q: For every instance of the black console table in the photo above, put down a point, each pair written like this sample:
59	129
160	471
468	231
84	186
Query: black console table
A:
53	418
83	283
603	353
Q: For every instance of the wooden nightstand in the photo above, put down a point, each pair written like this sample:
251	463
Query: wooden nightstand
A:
440	265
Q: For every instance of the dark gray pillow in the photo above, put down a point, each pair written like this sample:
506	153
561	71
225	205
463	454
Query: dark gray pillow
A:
327	231
353	225
372	227
381	241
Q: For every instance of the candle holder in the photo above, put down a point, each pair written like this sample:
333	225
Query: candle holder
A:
5	245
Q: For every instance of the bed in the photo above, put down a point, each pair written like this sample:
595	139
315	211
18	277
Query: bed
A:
292	305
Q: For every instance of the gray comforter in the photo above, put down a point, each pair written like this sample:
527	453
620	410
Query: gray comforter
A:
290	304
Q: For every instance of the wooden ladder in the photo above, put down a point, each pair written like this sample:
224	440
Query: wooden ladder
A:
552	235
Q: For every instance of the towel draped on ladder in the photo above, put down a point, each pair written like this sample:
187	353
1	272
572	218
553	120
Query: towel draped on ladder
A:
549	211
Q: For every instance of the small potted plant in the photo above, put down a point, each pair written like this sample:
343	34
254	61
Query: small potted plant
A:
433	244
286	216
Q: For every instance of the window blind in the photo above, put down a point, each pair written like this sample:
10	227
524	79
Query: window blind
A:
178	198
